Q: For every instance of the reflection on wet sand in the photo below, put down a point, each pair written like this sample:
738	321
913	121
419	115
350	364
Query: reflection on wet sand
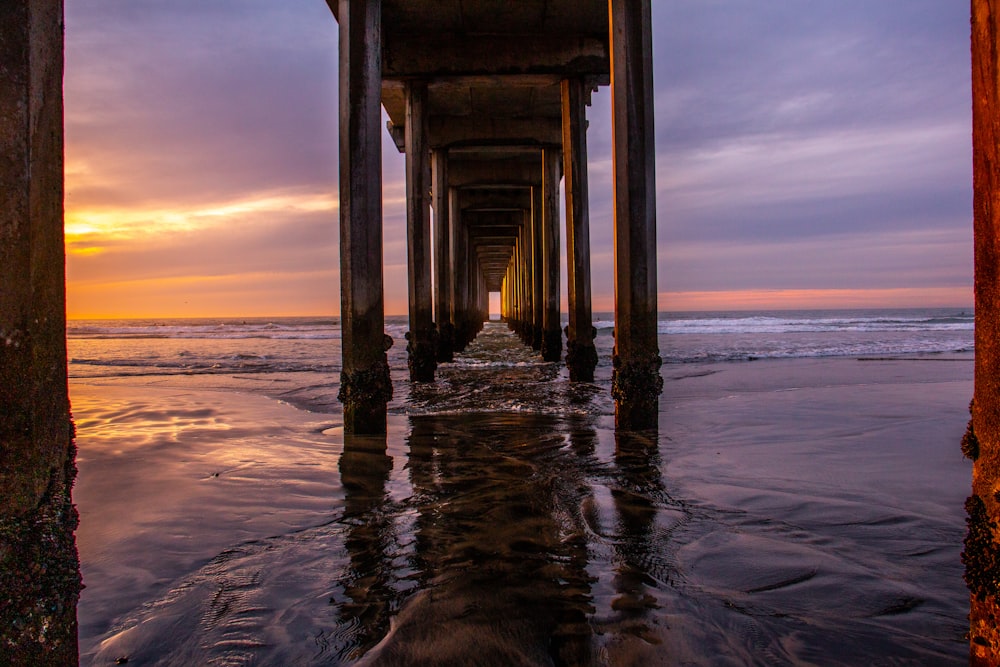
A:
500	543
637	459
368	538
502	520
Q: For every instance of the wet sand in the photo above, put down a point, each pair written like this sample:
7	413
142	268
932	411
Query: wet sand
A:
806	511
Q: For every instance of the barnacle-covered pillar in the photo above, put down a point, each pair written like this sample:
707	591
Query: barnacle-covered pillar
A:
636	381
365	385
39	567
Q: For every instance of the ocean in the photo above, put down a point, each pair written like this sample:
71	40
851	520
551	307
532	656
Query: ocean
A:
800	503
297	360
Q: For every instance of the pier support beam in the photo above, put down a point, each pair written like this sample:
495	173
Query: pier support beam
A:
461	272
982	547
39	567
442	255
551	329
581	355
422	336
636	381
537	265
526	281
365	385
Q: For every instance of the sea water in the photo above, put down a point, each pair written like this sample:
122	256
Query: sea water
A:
298	359
800	503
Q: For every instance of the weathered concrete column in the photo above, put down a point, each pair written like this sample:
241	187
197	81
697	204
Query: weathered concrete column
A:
442	255
581	355
537	266
422	336
460	272
506	297
365	385
484	302
982	547
636	381
509	289
39	567
477	299
551	329
518	272
525	280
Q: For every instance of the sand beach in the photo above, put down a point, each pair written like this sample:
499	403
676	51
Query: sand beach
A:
804	511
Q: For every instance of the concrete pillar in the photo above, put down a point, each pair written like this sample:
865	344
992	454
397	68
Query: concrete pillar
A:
514	274
442	256
636	381
537	267
526	280
510	289
39	567
484	301
551	326
507	296
478	292
503	296
422	336
518	273
982	548
581	355
460	270
365	385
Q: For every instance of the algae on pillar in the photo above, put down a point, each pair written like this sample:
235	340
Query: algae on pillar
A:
636	380
365	385
39	566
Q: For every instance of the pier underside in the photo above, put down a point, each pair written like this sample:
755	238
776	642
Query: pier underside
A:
488	102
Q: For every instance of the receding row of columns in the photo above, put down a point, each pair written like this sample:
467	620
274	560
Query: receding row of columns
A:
38	563
447	310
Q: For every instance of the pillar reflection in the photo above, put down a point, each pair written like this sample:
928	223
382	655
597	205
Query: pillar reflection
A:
635	501
502	577
367	583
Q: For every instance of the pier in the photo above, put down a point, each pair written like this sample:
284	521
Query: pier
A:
488	104
487	100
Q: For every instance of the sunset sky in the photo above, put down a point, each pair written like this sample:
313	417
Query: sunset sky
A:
809	154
